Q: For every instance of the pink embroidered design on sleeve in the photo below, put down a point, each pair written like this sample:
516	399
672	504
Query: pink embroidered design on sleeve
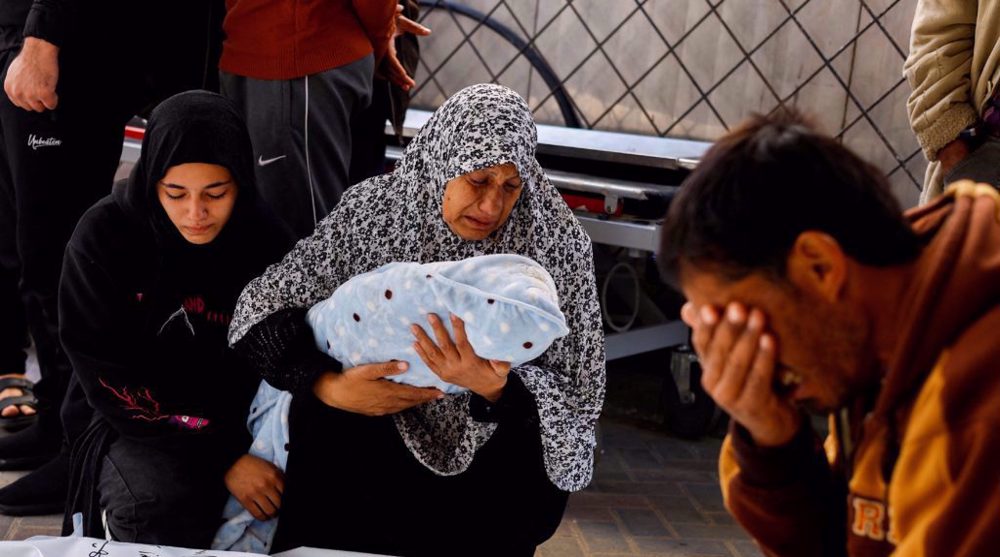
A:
147	409
142	403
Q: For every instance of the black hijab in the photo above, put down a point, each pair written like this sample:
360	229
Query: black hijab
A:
194	126
199	127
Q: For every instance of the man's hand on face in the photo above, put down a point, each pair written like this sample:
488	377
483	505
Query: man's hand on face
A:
738	360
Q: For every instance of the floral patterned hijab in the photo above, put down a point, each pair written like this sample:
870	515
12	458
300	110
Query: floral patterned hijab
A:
397	217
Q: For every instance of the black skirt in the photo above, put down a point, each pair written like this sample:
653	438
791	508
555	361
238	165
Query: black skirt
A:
351	484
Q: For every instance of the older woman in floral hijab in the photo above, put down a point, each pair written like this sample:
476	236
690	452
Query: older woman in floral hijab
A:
383	467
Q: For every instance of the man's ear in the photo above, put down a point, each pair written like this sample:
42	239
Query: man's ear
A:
816	264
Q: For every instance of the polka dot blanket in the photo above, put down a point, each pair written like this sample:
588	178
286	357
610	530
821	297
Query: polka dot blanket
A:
508	303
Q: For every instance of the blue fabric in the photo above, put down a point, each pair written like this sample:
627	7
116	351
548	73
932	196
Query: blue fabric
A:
508	303
268	422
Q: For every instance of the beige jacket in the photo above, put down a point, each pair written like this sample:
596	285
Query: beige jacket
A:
952	68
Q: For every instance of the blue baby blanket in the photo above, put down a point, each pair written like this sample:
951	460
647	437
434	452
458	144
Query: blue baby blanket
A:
268	423
508	302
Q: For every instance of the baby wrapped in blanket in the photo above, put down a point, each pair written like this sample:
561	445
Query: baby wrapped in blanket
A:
511	313
508	303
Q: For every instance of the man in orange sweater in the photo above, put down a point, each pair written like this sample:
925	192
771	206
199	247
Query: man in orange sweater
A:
809	290
300	71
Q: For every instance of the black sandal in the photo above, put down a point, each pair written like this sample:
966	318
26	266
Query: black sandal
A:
20	421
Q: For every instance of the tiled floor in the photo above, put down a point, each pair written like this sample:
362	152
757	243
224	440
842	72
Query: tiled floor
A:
15	528
653	495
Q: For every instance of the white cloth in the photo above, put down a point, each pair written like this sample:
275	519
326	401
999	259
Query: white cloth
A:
49	546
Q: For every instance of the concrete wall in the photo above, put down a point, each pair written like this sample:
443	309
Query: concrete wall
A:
695	68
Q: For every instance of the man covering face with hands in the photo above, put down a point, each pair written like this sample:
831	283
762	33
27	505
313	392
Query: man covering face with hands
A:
809	291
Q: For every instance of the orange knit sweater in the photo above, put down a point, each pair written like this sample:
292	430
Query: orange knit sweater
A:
286	39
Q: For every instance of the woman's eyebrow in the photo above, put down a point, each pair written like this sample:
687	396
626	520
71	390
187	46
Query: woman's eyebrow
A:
181	187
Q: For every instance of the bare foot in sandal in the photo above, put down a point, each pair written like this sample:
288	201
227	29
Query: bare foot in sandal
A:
13	411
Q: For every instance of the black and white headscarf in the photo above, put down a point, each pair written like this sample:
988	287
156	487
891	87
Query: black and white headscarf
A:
397	217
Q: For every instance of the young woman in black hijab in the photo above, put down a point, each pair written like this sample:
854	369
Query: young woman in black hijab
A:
151	277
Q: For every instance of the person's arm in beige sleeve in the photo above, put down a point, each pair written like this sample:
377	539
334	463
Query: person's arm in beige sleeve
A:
938	69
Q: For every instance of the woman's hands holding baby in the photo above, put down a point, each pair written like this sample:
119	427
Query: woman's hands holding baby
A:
365	390
456	362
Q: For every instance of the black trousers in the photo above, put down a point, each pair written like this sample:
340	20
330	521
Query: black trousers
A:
158	497
13	328
301	169
351	484
53	167
368	141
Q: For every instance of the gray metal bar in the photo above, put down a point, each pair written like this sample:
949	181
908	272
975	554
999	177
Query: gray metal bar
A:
130	151
687	164
642	150
606	186
645	339
621	233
